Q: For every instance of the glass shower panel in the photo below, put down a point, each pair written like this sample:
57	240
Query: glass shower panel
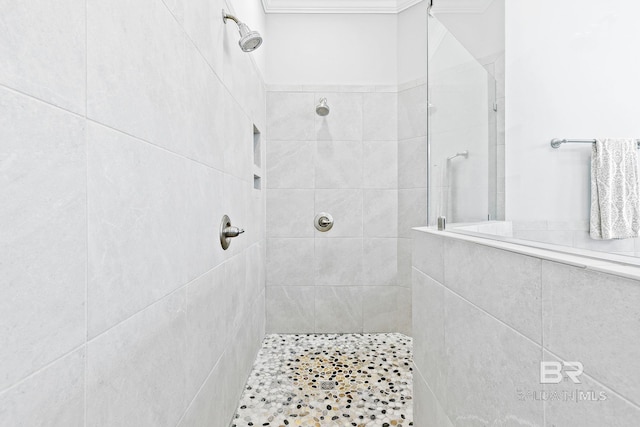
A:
462	132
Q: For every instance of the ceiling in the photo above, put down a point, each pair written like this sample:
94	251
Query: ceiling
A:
370	6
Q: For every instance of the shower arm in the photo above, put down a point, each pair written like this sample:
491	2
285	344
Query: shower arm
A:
464	154
226	16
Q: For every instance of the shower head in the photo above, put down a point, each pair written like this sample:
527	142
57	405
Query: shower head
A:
322	109
249	40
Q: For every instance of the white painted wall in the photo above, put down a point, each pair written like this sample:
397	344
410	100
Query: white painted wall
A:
347	49
482	34
412	43
573	77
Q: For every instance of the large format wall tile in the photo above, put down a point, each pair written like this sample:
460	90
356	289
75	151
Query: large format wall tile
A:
291	164
338	309
412	210
492	371
405	315
338	262
379	266
381	213
338	164
214	405
588	404
380	164
345	206
169	96
354	175
235	280
290	262
52	397
256	269
207	129
505	284
290	213
152	218
43	239
136	372
490	362
380	116
209	324
236	201
594	318
141	94
428	255
412	163
42	50
380	309
201	20
429	352
290	309
127	132
404	262
291	116
412	112
238	140
427	411
344	122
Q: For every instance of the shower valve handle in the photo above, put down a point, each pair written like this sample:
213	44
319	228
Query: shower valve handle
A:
232	231
324	221
227	232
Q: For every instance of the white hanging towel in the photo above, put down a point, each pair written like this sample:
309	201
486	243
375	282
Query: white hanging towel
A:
615	203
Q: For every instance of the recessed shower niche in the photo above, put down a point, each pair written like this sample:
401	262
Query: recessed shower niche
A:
257	159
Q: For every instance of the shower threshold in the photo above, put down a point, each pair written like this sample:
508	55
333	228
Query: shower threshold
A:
329	380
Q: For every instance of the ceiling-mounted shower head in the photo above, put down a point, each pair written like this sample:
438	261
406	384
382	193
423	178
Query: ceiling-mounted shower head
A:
249	40
322	109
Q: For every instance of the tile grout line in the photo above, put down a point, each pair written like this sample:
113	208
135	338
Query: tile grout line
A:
88	341
120	131
478	308
362	221
544	403
86	284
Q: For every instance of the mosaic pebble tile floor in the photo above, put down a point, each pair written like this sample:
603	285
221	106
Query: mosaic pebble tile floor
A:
329	380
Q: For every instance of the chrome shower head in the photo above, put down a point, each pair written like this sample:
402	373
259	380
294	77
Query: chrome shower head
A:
249	40
322	109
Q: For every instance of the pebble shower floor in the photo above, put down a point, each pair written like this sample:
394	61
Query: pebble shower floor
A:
329	380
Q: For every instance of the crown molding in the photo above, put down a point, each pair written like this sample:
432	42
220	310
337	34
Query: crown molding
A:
337	6
461	6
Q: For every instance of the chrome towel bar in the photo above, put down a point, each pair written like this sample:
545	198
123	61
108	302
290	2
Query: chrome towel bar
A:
556	142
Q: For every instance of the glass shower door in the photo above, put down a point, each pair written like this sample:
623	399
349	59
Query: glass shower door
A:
462	132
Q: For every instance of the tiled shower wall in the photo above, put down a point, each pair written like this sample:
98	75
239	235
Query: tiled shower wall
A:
126	132
412	169
345	280
489	315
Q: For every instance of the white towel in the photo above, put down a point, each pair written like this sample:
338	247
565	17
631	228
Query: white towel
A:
615	205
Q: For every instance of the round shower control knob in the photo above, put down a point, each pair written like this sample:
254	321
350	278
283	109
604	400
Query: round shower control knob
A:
323	222
228	232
